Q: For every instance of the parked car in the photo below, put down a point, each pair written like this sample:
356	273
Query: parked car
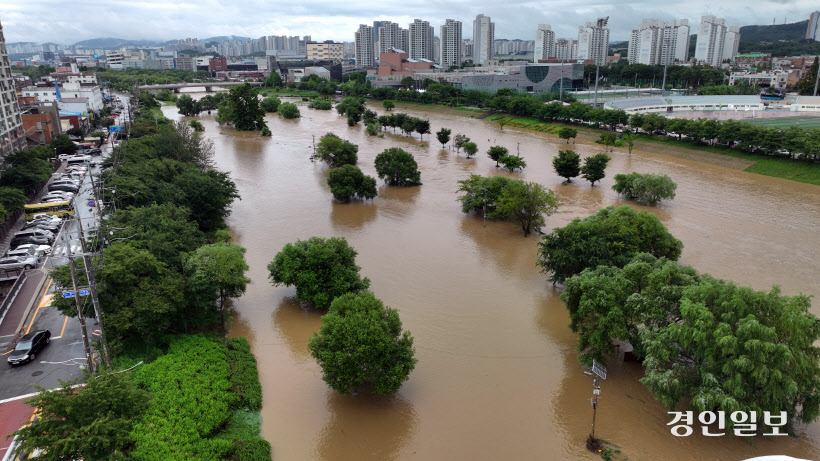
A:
45	225
66	196
10	263
38	236
39	250
94	151
29	346
47	217
24	251
63	187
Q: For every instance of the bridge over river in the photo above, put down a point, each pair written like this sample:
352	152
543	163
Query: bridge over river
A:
207	85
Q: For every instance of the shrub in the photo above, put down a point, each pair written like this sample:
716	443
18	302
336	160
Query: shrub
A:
244	374
196	125
321	104
289	110
270	104
373	128
645	189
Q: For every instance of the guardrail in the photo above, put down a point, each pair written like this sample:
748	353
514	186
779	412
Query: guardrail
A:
12	295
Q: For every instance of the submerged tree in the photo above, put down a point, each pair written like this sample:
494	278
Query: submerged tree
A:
361	345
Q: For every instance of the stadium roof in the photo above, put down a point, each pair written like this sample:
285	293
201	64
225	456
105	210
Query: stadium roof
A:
684	100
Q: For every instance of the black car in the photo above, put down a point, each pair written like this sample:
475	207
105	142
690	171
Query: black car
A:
29	346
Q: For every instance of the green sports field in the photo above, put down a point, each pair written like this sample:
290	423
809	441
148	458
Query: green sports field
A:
803	121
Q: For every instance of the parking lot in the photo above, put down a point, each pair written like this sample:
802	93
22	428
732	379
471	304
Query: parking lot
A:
64	356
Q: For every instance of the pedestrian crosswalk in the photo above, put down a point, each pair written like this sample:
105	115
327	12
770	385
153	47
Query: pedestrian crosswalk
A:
60	251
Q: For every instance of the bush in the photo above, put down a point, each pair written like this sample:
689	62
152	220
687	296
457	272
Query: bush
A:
321	104
192	386
271	104
289	110
348	182
320	269
196	125
645	189
610	237
373	129
398	168
244	374
266	131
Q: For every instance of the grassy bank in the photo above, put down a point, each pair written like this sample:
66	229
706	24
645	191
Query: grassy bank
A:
288	93
794	170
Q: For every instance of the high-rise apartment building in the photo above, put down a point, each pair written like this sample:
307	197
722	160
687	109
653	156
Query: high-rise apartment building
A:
813	31
544	43
12	137
392	36
483	38
365	46
657	42
566	50
712	41
593	42
421	40
451	43
731	43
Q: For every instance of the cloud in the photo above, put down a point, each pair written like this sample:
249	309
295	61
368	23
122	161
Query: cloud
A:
70	22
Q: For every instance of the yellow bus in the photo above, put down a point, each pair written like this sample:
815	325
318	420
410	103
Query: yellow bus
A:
63	209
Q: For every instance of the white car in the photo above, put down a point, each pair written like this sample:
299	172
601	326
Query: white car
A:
18	262
68	196
36	250
46	217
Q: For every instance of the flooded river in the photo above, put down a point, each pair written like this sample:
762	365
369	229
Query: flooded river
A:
497	375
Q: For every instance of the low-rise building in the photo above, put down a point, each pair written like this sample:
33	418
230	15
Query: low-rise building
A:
776	78
41	122
325	50
667	104
90	93
398	62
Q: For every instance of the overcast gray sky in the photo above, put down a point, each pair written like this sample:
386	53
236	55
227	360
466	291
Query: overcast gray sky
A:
69	22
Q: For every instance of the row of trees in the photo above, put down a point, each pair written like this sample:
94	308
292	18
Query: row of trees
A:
360	345
169	268
567	164
705	341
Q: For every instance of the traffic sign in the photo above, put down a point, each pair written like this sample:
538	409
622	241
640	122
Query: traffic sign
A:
84	292
68	294
91	203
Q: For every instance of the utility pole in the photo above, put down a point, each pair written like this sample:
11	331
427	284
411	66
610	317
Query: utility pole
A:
816	81
595	103
89	271
600	371
73	267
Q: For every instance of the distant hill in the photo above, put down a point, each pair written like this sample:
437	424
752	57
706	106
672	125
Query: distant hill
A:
109	43
789	32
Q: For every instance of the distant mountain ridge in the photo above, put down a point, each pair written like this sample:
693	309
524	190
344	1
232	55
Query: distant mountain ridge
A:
111	42
795	31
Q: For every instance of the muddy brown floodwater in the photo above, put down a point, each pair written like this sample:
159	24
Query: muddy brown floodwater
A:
497	374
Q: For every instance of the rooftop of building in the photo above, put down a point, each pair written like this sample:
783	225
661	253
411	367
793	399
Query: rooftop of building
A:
69	100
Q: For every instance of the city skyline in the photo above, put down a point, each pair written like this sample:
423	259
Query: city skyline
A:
326	21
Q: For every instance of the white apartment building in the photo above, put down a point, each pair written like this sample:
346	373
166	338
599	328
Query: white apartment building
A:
593	42
12	137
483	38
393	36
451	43
421	40
566	50
325	50
657	42
813	30
365	46
69	91
711	40
731	43
544	43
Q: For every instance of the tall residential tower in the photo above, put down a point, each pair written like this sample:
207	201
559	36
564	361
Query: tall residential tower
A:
365	46
483	39
544	43
421	40
451	43
12	137
593	42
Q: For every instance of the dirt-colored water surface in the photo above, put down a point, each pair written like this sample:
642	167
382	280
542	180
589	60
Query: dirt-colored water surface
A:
497	375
